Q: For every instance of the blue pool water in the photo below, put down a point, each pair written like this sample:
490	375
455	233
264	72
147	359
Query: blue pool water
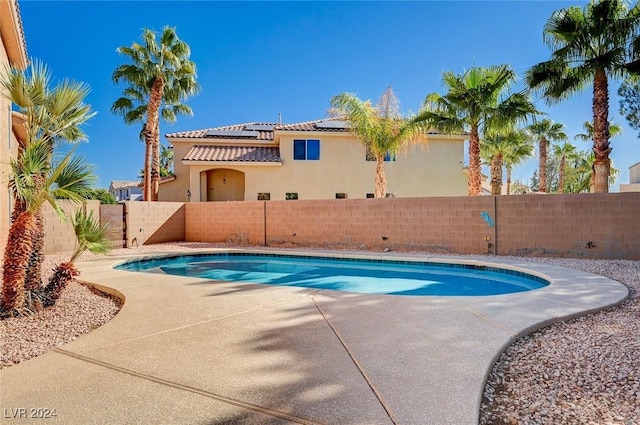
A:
341	274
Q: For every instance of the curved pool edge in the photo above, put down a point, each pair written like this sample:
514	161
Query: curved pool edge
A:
502	318
499	279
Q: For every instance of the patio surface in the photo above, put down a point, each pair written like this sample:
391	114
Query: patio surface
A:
193	351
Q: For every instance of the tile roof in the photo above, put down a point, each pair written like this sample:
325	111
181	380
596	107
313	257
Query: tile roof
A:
233	153
121	184
201	134
261	134
310	126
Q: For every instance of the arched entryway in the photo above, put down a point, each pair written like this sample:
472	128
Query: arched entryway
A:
225	184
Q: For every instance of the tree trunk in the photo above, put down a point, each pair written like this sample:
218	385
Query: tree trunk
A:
475	172
561	176
508	180
542	166
380	188
146	179
16	260
152	135
601	146
62	275
33	278
496	175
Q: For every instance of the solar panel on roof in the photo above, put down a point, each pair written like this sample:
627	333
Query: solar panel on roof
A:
232	133
332	124
259	127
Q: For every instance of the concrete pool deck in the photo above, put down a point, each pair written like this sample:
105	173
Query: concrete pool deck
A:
191	351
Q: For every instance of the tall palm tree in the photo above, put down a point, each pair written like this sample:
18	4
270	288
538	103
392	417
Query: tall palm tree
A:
515	154
160	73
545	131
380	127
479	102
590	45
35	182
564	152
499	149
52	114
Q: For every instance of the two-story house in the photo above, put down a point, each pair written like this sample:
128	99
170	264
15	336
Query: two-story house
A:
309	160
126	190
634	179
13	51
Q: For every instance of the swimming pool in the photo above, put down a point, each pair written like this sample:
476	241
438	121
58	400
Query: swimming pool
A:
370	276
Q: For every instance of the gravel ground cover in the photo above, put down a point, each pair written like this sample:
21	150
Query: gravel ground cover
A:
583	371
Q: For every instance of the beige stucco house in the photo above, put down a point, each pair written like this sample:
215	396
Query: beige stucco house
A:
309	160
12	51
634	179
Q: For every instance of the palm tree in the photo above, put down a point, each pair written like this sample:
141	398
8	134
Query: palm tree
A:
564	152
51	115
159	77
479	102
90	236
381	128
166	163
515	154
35	182
590	45
545	131
497	149
587	136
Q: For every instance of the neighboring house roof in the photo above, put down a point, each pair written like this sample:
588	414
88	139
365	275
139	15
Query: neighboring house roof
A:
233	153
12	33
234	132
260	131
253	131
122	184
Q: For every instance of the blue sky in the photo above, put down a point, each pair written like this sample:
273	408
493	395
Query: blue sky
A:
256	60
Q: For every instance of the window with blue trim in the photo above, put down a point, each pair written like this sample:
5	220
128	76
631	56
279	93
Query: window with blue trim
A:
308	150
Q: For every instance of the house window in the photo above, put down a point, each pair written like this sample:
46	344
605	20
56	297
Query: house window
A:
370	195
291	196
263	196
390	195
306	150
341	196
387	156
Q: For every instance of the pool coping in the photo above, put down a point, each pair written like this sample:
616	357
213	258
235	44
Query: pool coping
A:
504	318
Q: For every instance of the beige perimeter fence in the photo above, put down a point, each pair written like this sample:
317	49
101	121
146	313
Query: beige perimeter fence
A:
584	225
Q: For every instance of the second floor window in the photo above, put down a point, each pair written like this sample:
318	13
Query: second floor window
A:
387	156
306	149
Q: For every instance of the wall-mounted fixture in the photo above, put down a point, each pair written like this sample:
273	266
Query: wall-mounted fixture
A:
189	195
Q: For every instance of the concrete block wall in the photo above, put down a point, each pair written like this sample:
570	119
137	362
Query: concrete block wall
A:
579	225
451	225
235	222
59	234
584	225
154	222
